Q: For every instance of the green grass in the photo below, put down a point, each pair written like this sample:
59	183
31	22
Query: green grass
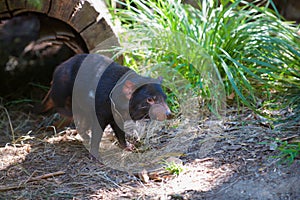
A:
235	47
288	152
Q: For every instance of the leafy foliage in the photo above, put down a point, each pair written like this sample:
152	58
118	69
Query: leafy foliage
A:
247	47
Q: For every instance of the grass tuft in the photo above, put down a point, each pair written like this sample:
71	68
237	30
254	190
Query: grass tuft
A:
243	47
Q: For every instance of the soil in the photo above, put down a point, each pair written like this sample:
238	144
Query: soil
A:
234	163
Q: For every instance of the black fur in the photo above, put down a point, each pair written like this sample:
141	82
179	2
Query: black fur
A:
60	96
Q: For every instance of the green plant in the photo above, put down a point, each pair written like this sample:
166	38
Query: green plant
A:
247	47
173	168
288	151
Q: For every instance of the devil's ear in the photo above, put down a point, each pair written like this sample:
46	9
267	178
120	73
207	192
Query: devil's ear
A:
160	79
128	89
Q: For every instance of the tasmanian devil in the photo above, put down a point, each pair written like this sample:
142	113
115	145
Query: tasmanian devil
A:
90	85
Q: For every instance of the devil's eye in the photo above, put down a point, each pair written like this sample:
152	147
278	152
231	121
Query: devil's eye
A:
151	100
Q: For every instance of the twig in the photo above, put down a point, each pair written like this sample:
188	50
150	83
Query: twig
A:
22	185
45	176
11	187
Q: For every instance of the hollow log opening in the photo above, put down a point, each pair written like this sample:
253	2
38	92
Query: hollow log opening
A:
32	45
36	39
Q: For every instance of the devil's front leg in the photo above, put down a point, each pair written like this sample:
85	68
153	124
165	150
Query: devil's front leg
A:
120	134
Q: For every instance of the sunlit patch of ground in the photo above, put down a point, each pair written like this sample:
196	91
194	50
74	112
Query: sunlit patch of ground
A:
10	155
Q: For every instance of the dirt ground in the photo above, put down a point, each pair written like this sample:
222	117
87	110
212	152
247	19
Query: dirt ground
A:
235	163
